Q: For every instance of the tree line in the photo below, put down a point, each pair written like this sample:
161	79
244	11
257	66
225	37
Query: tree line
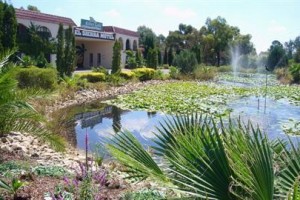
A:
212	44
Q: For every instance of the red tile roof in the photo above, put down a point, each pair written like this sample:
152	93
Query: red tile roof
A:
42	17
123	31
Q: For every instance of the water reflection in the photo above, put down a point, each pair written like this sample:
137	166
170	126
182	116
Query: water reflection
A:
102	125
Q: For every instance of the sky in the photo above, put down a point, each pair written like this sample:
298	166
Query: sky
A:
265	20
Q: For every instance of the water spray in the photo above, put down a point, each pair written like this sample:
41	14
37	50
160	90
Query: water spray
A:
265	107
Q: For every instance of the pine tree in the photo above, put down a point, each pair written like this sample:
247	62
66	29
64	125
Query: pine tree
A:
65	59
70	52
1	24
116	60
152	58
60	50
170	56
165	56
139	59
8	27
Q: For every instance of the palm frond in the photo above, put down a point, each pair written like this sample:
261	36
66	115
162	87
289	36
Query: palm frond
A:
251	158
126	148
289	175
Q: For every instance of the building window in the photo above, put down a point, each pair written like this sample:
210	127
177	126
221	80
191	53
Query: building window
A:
99	59
91	60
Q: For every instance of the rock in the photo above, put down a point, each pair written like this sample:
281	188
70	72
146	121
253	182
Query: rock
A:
6	148
35	155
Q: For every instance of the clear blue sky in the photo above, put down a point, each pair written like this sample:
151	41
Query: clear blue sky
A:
265	20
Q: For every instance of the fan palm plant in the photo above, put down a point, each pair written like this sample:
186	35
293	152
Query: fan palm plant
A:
16	113
209	160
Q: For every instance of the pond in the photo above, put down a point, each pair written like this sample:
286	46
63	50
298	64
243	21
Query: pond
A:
103	124
281	114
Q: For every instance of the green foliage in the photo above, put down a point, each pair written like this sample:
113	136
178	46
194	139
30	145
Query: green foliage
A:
34	77
13	187
33	8
144	74
139	58
8	27
66	51
170	56
186	61
277	57
41	60
295	72
131	60
174	72
116	60
52	171
127	74
159	75
100	69
143	194
92	77
116	79
205	73
209	160
225	68
152	58
11	167
27	61
147	38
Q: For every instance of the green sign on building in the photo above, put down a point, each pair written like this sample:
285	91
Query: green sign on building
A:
91	24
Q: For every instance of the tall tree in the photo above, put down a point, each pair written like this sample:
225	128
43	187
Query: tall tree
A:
222	34
147	39
277	56
170	56
165	58
70	52
8	26
60	53
116	59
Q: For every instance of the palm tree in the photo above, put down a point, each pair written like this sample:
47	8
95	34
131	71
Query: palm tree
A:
16	113
80	50
209	160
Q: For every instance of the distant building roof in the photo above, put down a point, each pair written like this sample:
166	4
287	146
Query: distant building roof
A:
42	17
123	31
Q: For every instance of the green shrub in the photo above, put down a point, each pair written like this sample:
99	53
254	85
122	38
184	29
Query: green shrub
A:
92	77
27	61
127	74
205	73
53	171
144	194
174	72
159	75
100	69
144	73
225	68
116	79
186	61
41	60
295	72
34	77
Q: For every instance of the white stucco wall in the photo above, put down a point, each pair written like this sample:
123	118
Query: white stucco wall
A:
53	28
124	38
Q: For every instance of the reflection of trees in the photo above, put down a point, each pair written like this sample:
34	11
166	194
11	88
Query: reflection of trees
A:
151	114
116	116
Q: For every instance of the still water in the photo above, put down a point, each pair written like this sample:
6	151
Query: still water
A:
102	124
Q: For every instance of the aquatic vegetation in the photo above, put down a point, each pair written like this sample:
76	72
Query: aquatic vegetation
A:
207	97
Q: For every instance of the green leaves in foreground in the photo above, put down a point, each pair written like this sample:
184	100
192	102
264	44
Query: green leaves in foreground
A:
209	160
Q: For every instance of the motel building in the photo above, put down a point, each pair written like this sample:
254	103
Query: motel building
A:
94	42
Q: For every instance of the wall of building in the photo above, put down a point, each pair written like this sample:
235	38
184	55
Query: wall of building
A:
105	48
123	51
53	28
